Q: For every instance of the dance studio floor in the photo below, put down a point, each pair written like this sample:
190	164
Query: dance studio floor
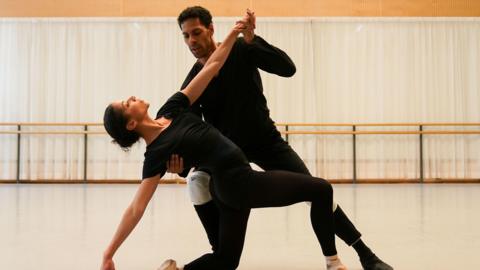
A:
58	227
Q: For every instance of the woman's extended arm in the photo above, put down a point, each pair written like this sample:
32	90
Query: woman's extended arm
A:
130	219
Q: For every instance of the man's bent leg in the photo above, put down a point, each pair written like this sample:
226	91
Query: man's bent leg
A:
198	190
232	229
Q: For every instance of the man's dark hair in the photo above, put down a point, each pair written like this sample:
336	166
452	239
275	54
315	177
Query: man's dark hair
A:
195	12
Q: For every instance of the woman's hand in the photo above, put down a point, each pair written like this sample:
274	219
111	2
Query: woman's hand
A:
239	27
243	25
249	33
107	264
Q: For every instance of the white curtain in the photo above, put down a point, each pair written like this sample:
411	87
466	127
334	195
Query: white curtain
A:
349	70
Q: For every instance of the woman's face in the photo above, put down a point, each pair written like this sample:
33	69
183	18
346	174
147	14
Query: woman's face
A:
132	108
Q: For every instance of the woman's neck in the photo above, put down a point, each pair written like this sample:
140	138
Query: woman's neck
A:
149	129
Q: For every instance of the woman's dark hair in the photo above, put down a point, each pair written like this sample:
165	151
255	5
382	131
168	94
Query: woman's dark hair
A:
195	12
115	124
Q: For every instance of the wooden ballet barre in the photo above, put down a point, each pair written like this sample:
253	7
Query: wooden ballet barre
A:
55	132
286	132
296	132
349	129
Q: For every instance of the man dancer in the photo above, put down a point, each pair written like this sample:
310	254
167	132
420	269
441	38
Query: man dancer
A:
234	103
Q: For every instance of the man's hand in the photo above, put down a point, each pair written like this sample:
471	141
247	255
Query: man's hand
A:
250	19
175	164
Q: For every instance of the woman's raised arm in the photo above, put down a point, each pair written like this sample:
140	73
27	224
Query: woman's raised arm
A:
214	63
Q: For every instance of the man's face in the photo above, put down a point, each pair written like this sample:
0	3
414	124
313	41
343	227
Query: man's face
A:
198	37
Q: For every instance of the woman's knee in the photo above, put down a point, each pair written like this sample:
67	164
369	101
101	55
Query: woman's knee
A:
325	188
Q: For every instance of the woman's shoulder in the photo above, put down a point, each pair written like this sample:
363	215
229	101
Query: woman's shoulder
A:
176	103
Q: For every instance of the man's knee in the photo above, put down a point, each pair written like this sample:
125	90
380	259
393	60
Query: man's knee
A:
228	262
198	187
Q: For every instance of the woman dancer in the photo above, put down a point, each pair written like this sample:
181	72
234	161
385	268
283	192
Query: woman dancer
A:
236	188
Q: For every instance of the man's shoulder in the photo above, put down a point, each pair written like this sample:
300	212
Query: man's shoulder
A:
197	66
192	73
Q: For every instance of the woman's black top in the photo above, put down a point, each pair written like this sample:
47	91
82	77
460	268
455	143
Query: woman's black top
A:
200	145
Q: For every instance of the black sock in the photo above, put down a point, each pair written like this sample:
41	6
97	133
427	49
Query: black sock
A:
362	250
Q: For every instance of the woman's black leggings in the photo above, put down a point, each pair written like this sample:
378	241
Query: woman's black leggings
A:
270	189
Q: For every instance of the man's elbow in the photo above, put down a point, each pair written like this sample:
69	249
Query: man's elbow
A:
289	71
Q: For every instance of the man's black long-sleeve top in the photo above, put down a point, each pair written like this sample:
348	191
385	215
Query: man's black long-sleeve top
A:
234	102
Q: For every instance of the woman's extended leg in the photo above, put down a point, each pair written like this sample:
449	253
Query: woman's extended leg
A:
281	188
